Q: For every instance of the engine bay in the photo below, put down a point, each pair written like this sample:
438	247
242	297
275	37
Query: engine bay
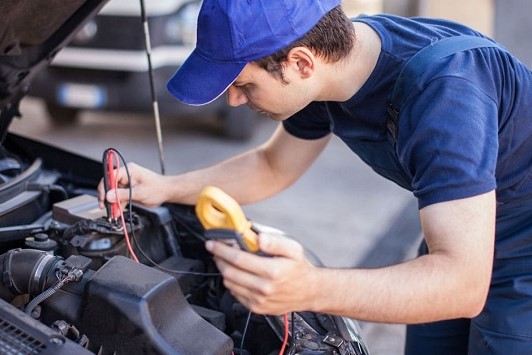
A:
69	284
65	265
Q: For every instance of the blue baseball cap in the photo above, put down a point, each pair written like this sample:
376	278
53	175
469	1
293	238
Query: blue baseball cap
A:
232	33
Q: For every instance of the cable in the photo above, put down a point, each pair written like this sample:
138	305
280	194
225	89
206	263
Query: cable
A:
126	236
49	292
285	340
48	188
173	271
117	155
244	333
112	154
191	231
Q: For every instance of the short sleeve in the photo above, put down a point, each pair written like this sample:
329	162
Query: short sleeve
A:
448	141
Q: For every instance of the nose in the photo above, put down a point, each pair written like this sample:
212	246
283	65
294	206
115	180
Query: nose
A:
236	96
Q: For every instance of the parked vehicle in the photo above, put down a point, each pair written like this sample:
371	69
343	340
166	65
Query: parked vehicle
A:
69	284
105	66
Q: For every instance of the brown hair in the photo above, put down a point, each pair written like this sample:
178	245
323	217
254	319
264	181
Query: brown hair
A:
332	39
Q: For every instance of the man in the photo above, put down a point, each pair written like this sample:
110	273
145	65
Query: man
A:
462	146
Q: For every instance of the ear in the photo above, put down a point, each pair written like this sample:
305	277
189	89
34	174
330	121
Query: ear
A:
302	60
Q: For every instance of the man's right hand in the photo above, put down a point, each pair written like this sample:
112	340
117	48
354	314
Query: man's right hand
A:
147	187
248	177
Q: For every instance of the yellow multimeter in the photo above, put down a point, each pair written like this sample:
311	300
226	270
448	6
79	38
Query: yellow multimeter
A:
223	219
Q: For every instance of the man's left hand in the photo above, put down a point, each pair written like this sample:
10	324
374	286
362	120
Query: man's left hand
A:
266	285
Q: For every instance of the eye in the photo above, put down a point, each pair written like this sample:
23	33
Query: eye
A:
239	85
243	87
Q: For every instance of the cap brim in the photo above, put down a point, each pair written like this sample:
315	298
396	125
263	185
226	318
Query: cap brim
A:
199	81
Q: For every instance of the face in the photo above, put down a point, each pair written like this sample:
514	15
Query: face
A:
267	95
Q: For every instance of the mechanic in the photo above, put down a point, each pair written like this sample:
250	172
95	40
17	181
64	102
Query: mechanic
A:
463	146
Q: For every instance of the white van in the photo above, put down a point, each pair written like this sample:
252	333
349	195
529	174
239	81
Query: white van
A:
105	66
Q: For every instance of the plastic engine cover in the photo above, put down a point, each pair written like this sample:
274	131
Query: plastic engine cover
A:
145	311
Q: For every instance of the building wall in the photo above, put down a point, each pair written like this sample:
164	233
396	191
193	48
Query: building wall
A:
477	14
513	26
508	21
356	7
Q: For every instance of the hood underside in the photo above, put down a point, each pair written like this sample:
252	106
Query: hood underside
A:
31	33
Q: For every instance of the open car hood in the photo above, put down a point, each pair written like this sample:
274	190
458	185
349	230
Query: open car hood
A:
31	34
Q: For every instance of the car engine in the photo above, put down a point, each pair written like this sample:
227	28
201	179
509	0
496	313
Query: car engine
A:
69	285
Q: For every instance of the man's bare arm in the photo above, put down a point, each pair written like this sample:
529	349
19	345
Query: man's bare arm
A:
452	281
248	177
255	174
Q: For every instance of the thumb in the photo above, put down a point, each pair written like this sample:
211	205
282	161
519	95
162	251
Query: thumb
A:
110	196
280	245
123	195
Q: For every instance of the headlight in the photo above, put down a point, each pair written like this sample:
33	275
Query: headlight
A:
181	27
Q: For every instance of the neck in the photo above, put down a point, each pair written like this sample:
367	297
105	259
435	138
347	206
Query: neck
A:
342	80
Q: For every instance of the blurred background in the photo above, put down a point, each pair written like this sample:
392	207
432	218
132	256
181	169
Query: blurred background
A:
96	94
104	67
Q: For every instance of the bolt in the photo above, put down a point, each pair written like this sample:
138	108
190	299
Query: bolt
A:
58	341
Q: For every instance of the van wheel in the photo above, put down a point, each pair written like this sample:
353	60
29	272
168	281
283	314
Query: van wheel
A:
61	115
238	123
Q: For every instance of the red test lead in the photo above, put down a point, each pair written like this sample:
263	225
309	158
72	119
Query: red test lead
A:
113	211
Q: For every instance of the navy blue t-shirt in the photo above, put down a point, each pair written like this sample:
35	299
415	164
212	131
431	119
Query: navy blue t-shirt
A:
464	131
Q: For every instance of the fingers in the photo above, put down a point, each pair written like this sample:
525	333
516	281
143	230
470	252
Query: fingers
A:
247	285
280	245
121	178
123	195
272	244
237	276
101	194
245	260
265	285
